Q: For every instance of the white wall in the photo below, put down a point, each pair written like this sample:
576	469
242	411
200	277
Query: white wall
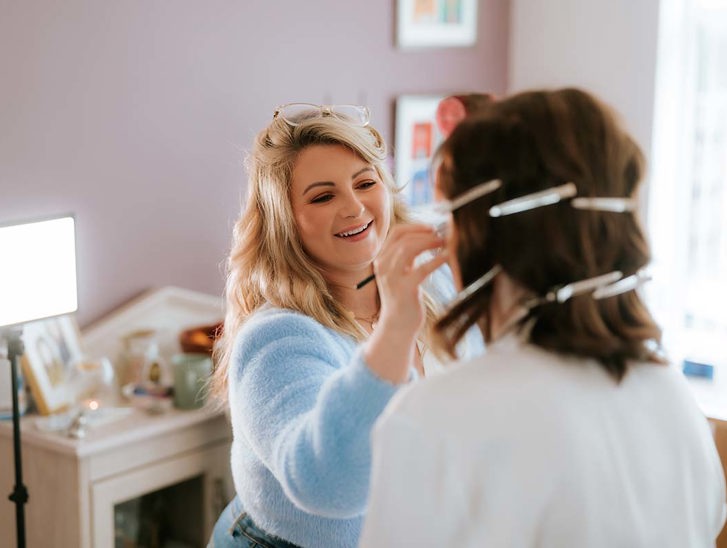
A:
605	46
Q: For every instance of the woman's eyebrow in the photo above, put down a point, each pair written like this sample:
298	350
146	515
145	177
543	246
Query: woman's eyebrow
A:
317	184
362	170
331	183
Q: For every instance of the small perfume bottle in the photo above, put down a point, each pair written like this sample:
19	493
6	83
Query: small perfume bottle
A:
155	373
143	365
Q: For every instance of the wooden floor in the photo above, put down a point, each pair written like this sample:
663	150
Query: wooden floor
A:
720	437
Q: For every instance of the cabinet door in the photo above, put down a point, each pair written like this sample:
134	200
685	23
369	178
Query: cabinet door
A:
202	475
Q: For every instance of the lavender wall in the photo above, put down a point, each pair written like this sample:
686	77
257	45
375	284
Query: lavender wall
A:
135	115
556	43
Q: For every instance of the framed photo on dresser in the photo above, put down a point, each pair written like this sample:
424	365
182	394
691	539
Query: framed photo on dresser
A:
52	350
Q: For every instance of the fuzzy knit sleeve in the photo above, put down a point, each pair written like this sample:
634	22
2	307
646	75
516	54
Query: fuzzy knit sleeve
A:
306	402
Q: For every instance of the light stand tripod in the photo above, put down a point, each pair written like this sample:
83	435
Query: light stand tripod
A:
20	493
30	291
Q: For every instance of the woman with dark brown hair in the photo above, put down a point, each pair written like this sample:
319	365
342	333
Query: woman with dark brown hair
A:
571	430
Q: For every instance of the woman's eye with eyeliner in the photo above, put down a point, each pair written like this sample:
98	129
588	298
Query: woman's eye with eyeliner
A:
366	184
322	198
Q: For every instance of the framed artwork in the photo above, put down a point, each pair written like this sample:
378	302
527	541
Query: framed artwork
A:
436	23
416	140
52	349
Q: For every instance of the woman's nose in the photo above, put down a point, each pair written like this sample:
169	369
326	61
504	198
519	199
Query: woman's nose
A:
352	207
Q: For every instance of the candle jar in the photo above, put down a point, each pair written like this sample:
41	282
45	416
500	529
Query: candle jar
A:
93	380
191	373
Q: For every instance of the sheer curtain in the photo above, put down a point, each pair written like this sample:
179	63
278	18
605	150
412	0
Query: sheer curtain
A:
687	202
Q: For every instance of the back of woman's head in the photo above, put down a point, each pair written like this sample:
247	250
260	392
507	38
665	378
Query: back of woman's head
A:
535	141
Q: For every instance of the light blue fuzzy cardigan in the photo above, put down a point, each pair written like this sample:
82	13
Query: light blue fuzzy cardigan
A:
302	405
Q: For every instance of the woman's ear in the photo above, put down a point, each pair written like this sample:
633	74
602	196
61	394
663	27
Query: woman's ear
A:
450	112
455	108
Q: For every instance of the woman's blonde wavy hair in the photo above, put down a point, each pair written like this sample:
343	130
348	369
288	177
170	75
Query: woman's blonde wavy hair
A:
267	262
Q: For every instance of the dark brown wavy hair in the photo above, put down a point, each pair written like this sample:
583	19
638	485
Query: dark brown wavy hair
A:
533	141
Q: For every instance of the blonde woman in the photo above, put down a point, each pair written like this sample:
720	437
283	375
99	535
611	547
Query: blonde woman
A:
308	360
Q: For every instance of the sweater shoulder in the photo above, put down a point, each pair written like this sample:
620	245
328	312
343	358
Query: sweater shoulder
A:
271	324
274	333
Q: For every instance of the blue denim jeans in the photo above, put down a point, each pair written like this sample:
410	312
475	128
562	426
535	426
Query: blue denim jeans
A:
235	529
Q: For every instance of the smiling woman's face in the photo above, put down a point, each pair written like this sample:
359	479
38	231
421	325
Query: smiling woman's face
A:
342	209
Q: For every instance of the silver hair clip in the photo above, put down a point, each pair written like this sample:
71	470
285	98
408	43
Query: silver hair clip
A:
437	214
561	294
585	286
475	286
623	285
616	205
545	197
471	195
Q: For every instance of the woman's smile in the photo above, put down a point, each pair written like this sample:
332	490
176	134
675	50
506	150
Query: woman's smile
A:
356	233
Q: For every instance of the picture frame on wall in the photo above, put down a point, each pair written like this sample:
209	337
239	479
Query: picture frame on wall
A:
416	139
436	23
52	349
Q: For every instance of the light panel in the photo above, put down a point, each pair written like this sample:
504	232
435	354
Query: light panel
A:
37	270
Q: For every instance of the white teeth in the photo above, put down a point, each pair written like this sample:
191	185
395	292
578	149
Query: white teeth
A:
354	231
